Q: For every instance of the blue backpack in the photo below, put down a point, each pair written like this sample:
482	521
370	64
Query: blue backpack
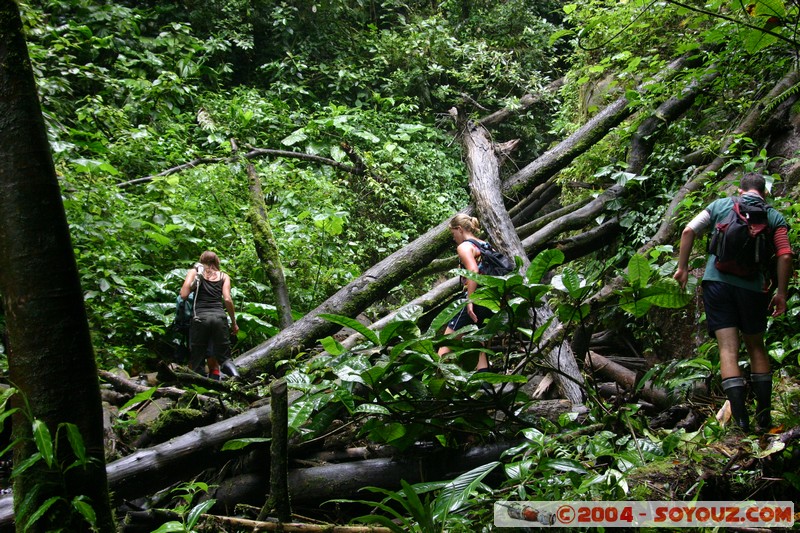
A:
184	310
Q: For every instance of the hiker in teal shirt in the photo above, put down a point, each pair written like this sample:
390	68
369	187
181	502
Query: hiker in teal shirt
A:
736	304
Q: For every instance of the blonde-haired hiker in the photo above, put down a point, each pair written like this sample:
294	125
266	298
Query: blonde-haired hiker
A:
464	229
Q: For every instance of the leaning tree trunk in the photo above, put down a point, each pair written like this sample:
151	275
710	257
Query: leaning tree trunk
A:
50	352
484	171
267	249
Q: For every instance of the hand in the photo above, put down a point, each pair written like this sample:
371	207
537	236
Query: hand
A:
777	305
471	312
681	276
234	328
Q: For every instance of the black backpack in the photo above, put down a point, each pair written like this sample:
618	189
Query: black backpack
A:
742	241
493	263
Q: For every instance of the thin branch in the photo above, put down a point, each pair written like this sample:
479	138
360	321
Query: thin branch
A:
254	153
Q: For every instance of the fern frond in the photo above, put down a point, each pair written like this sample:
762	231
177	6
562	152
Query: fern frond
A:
778	100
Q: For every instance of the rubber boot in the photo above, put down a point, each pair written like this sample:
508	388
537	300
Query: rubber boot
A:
736	391
762	390
229	368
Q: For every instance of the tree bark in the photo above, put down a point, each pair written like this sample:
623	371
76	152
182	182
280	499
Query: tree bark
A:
267	249
484	171
278	498
50	352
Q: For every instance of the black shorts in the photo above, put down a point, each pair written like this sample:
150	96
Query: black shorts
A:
463	319
728	306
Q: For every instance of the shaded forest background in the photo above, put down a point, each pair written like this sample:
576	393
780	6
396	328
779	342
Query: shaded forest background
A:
161	114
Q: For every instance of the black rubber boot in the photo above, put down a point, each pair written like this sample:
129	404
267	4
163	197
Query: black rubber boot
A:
762	390
736	391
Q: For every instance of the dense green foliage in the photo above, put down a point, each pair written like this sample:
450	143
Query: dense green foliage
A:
131	90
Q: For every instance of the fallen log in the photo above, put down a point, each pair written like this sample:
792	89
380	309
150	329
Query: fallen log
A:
311	486
627	379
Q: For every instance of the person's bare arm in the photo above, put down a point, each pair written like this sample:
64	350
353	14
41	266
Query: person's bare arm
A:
226	297
687	242
188	282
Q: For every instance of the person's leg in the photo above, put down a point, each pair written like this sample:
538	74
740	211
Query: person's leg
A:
760	379
732	382
446	349
753	308
199	338
221	344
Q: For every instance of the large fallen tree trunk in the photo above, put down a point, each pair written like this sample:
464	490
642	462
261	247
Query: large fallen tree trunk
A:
311	486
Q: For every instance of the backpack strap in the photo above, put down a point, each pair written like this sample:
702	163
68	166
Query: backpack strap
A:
198	279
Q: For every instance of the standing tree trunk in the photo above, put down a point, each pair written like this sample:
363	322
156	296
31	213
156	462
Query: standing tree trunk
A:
51	361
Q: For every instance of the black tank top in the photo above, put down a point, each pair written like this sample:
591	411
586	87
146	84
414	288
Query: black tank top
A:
208	296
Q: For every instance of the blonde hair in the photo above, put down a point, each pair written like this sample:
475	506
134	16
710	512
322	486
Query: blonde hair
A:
465	222
209	259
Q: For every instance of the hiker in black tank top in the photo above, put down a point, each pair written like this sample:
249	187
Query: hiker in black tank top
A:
209	334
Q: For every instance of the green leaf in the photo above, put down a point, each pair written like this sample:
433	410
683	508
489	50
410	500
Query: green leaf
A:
420	512
668	294
44	441
542	264
85	509
40	512
4	397
490	377
299	413
197	511
395	329
296	137
332	346
22	467
637	308
456	494
390	432
562	465
141	397
354	324
639	271
372	409
75	441
238	444
170	527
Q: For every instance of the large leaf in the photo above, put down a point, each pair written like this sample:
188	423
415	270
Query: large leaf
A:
396	329
354	324
668	294
238	444
197	511
456	494
639	271
141	397
40	512
542	264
